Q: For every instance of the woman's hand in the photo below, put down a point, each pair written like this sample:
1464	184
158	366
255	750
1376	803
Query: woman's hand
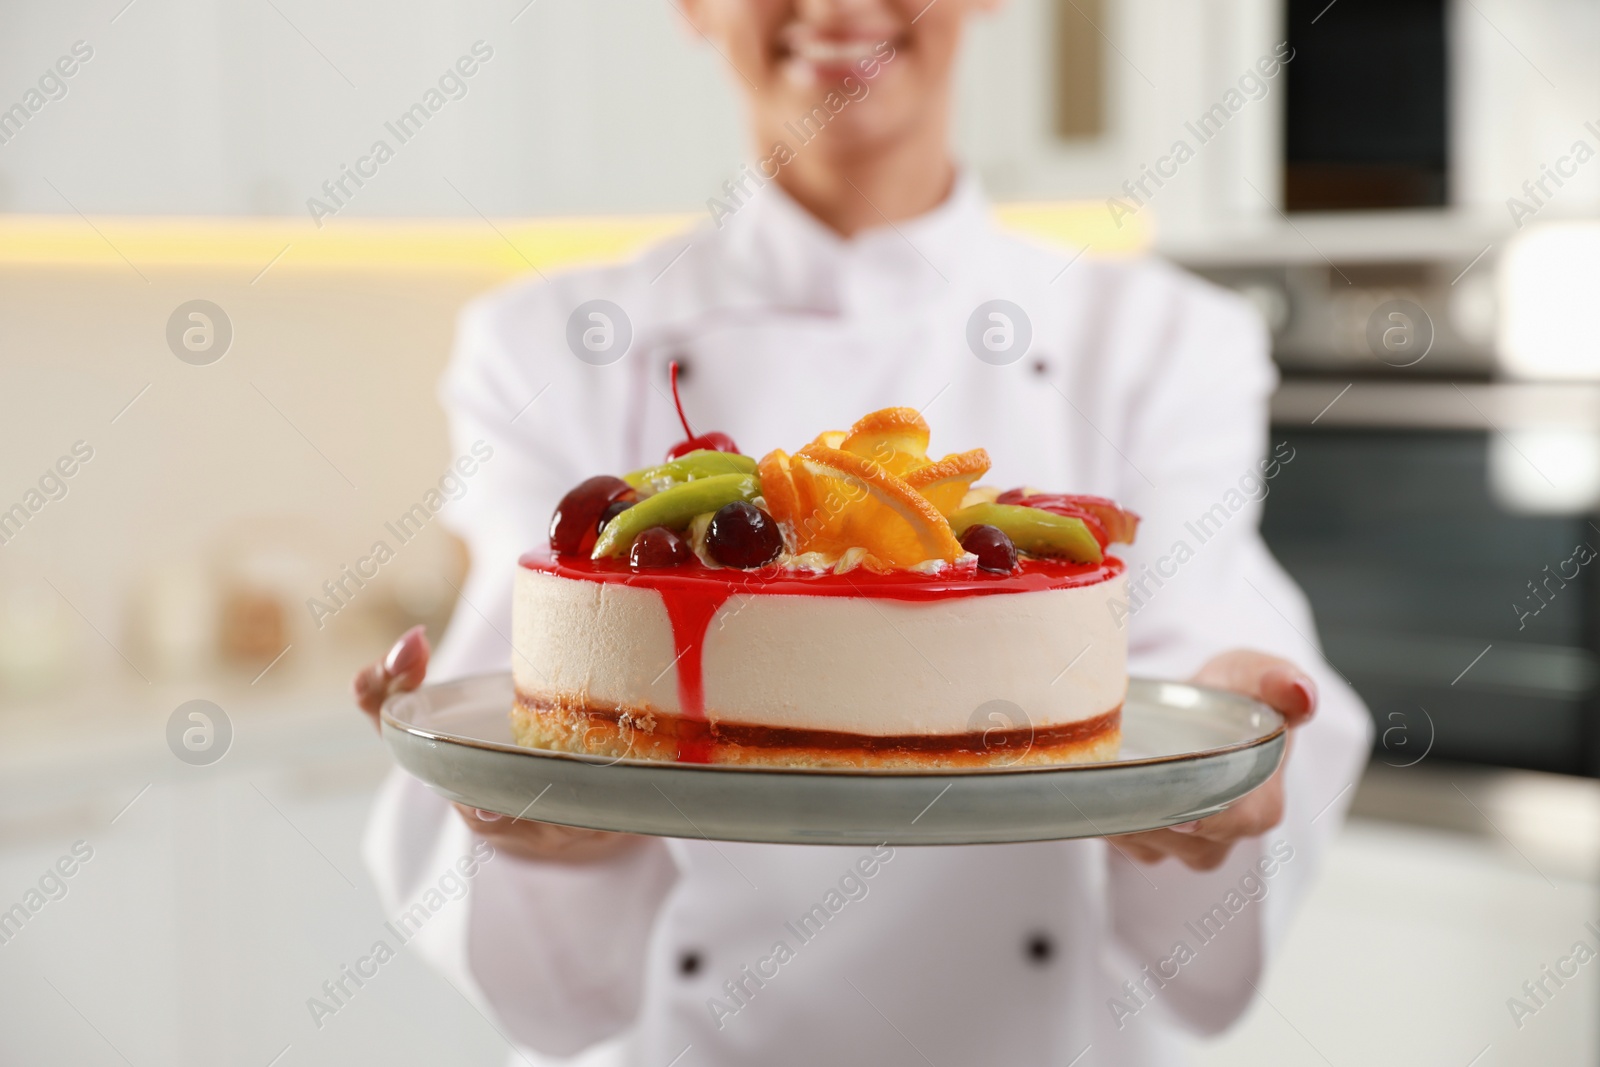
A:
1205	843
404	668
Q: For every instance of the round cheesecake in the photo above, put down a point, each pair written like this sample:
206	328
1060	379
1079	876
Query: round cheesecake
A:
696	663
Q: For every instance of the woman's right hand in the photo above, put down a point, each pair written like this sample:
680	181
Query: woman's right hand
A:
404	669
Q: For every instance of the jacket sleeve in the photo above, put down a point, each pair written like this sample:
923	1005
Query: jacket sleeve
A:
554	953
1202	582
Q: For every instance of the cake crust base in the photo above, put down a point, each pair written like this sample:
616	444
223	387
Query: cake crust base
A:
573	726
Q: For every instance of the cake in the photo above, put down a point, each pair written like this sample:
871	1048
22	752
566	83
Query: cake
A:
855	604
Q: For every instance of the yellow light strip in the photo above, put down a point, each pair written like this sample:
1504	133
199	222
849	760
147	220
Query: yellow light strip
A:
502	248
1079	224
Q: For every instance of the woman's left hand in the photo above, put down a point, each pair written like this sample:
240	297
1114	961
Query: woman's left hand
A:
1205	843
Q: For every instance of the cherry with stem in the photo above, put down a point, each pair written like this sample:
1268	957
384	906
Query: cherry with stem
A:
714	442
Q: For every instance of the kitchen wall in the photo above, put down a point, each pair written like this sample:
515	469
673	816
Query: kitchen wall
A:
194	106
233	489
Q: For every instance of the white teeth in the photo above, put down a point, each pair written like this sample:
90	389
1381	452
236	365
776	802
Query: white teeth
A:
815	51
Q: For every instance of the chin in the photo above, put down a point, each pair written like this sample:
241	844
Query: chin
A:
852	136
858	128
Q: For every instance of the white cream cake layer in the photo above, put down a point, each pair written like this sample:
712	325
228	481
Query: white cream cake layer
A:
849	664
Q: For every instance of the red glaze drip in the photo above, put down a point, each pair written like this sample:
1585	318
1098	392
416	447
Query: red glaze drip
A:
690	610
692	594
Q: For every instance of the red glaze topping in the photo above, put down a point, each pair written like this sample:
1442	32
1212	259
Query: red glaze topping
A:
1032	575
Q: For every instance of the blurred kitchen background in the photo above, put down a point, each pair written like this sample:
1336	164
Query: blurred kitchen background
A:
1407	203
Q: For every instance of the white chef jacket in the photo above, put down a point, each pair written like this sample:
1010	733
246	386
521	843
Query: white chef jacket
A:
1142	384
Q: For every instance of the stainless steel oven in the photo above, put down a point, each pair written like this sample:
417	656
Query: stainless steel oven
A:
1451	588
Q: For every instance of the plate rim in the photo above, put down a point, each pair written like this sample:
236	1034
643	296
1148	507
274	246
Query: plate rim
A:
387	720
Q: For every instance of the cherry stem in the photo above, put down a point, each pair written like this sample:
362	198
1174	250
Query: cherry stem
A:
672	370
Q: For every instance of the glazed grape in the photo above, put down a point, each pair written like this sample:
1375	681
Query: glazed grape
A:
576	522
742	535
658	547
993	548
613	509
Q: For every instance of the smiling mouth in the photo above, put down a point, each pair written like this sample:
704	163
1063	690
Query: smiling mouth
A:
805	54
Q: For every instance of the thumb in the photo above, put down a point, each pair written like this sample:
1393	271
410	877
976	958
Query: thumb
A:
402	669
1272	680
407	662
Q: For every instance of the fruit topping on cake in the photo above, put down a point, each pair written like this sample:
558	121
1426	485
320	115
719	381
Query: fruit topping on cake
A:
1034	531
686	605
674	508
870	497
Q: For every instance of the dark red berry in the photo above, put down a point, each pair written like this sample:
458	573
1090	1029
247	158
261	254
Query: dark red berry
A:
613	509
659	547
993	548
575	525
742	535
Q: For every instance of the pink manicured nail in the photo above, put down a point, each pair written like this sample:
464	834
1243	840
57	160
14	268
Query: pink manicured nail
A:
1308	692
1185	828
405	653
488	816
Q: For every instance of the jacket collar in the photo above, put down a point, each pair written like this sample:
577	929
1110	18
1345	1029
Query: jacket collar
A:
780	254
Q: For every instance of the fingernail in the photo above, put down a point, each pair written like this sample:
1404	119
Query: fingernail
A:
1185	828
405	653
1308	692
488	816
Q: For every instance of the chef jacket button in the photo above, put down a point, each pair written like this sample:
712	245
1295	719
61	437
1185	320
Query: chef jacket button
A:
689	963
685	367
1039	949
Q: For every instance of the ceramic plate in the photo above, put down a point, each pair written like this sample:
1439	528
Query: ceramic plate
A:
1187	752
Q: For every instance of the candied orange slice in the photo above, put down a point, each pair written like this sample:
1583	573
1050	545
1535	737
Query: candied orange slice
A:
777	488
831	438
848	501
896	438
946	482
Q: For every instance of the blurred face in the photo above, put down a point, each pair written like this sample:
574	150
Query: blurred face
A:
881	69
